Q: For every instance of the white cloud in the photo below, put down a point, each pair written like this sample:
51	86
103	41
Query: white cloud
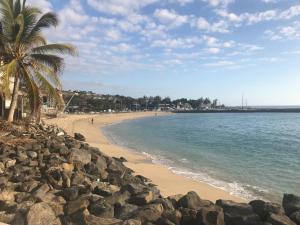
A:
119	7
218	27
219	3
181	2
176	43
45	5
221	63
252	18
213	50
170	17
113	35
284	32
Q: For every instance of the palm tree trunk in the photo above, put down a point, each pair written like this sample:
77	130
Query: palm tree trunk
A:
14	100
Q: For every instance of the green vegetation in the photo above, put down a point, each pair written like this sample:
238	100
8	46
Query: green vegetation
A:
27	60
90	102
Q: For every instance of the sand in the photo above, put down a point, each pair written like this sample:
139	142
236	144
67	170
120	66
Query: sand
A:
168	182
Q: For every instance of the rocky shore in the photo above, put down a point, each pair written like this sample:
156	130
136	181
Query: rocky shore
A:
50	178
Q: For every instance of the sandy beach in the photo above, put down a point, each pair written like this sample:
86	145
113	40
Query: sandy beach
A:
168	182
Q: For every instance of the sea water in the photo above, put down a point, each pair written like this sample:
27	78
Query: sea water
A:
251	155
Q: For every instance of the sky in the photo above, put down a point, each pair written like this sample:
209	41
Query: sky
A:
182	48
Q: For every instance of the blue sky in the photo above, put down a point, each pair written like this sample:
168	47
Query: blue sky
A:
183	48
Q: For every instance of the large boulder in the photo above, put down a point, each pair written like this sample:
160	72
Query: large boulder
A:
276	219
102	210
79	137
142	198
212	215
265	209
291	203
295	216
192	201
80	155
150	213
238	213
41	213
125	211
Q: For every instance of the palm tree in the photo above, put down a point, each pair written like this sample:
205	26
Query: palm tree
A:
29	60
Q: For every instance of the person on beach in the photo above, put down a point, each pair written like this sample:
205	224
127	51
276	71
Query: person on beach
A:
92	120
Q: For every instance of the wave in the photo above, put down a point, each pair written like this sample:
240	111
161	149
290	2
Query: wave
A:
235	188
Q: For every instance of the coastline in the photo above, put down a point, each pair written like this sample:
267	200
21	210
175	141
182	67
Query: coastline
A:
168	182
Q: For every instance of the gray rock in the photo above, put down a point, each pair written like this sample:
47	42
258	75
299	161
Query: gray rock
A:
102	210
265	209
32	154
192	201
276	219
291	203
41	213
238	213
212	215
295	216
79	137
79	155
150	213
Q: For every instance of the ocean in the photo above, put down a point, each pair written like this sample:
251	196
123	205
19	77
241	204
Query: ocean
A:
254	156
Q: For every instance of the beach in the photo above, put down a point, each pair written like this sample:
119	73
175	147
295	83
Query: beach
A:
168	182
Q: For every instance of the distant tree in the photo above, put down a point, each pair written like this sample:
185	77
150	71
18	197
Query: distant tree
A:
166	100
207	101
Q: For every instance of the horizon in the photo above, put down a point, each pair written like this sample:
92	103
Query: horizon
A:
183	48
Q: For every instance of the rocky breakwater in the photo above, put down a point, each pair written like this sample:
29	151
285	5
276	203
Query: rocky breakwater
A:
50	178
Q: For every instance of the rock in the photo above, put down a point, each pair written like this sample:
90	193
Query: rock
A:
76	205
105	189
238	213
149	213
41	191
265	209
126	211
189	216
173	216
174	199
41	213
7	196
130	222
29	186
275	219
192	201
102	210
295	216
32	154
71	193
79	137
291	203
67	167
212	215
9	163
79	155
60	134
93	220
142	199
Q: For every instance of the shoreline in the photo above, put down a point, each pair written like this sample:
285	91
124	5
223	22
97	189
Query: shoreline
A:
167	181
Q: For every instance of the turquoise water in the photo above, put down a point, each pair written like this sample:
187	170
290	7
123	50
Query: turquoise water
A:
250	155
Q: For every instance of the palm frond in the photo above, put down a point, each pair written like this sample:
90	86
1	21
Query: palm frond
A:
53	61
20	22
45	84
48	73
55	48
17	8
46	21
